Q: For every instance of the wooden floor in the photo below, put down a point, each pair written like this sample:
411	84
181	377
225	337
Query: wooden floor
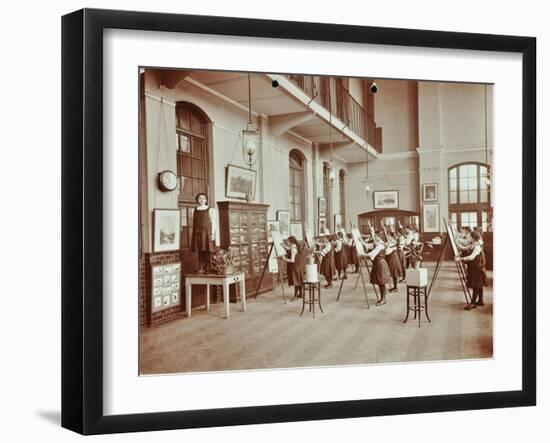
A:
271	334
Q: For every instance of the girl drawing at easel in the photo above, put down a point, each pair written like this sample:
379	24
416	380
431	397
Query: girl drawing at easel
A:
295	265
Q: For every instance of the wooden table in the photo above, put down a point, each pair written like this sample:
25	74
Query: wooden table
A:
218	280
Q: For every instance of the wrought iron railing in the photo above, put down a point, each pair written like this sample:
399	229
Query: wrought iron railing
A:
341	104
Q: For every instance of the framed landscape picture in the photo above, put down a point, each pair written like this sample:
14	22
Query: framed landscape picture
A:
241	182
166	224
135	84
386	199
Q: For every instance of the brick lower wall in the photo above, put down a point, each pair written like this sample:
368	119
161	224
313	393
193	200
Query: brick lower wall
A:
148	318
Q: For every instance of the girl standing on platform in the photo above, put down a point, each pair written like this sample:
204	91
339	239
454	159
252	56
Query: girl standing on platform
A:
327	261
341	256
295	265
476	276
204	232
380	273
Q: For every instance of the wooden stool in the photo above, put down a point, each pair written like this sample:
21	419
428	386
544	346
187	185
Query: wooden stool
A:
310	299
416	292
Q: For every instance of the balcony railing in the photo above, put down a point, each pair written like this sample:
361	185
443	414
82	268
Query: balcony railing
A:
341	104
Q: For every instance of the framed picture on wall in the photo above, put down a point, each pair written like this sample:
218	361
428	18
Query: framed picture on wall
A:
283	217
322	206
166	230
241	183
386	199
430	217
429	192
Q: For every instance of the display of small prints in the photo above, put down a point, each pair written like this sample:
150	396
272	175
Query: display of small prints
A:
165	281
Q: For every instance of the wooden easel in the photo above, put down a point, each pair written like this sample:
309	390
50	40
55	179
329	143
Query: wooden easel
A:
279	273
459	268
363	261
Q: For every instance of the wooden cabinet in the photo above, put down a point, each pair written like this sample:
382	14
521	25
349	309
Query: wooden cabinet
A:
243	230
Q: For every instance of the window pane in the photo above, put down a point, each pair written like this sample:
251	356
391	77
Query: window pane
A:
463	171
186	166
198	147
452	173
196	125
183	119
463	196
183	143
473	196
453	197
198	168
463	184
472	183
453	184
483	196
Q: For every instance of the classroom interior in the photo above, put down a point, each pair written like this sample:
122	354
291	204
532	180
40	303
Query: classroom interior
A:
308	156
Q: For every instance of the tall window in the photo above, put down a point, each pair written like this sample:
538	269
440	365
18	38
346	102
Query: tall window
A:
296	186
192	158
469	196
342	190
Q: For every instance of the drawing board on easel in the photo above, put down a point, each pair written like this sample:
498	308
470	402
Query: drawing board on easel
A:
358	243
310	242
280	251
452	238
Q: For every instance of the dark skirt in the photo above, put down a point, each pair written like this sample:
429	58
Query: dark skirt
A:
475	272
394	265
200	241
327	265
380	272
402	262
341	259
296	270
352	256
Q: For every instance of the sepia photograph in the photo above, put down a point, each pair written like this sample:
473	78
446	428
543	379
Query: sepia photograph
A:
395	177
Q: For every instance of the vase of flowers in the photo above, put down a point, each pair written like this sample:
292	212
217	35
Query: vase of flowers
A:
222	262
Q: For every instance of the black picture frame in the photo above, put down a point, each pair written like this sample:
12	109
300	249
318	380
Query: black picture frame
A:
82	218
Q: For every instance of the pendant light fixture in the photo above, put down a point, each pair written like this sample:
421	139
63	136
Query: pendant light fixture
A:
250	134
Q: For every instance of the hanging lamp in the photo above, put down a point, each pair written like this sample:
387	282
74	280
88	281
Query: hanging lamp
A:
250	134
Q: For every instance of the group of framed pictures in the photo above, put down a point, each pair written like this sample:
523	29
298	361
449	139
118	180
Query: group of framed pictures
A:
430	211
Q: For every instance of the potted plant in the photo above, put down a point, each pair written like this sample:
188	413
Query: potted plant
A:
222	262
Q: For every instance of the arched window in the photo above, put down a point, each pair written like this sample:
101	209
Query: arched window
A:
342	190
469	196
192	159
296	186
327	194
